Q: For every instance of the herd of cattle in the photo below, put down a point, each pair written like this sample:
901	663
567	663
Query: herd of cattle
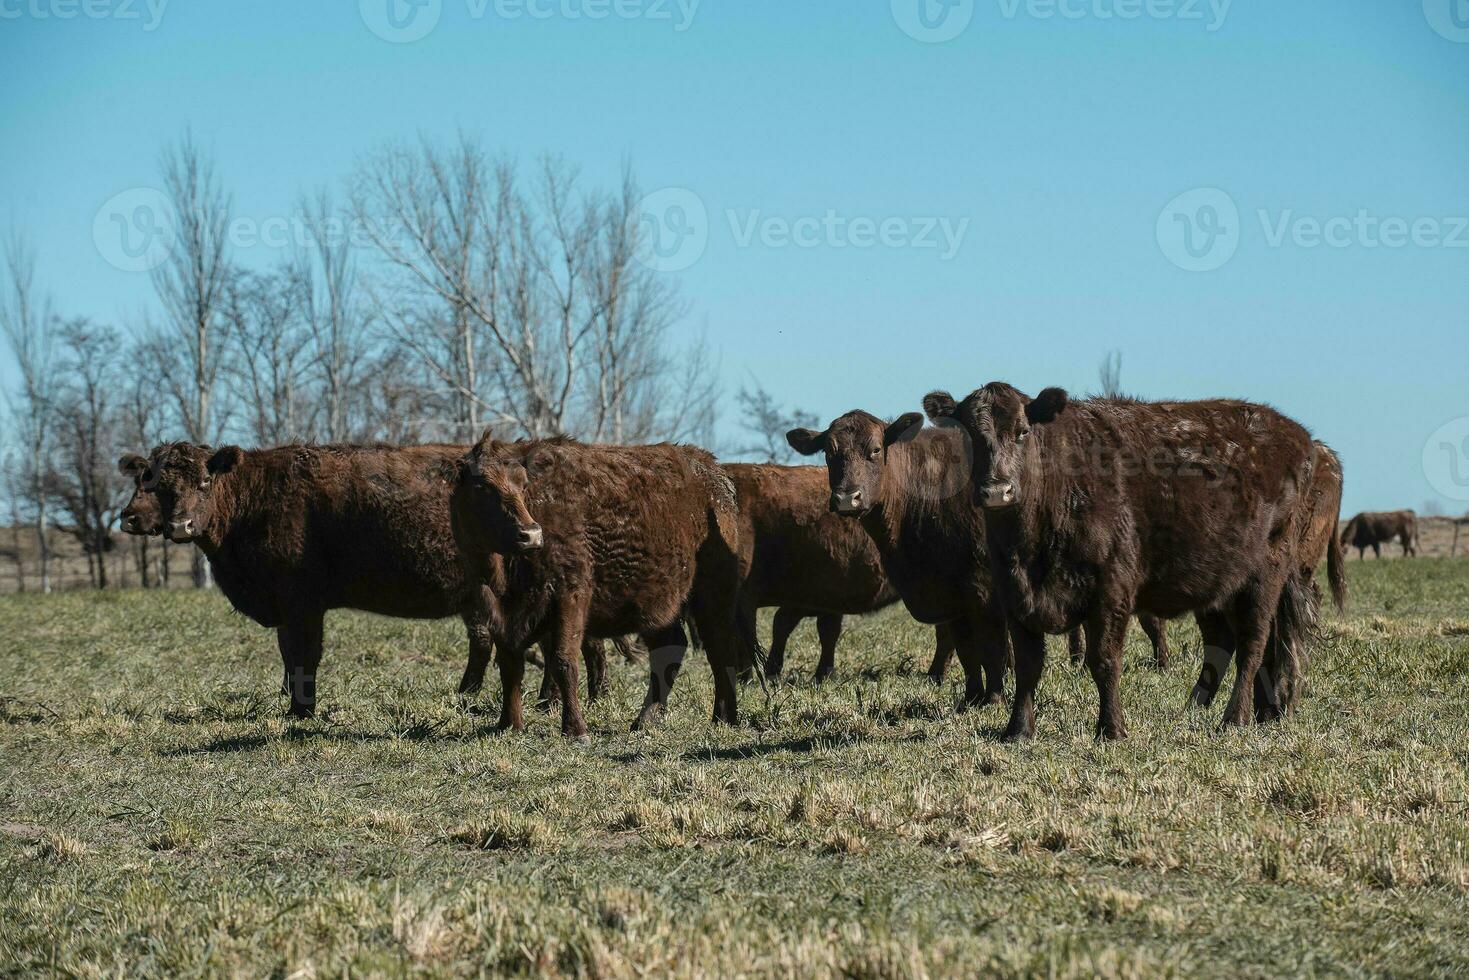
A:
1005	519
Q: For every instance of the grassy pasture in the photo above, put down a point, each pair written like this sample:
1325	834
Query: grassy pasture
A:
159	816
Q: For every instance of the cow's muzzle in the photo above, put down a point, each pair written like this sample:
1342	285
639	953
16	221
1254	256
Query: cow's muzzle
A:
184	531
848	502
997	495
529	537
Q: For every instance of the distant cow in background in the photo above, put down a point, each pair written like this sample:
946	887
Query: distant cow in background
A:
1370	529
808	561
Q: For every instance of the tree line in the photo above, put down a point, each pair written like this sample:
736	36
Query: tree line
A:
444	290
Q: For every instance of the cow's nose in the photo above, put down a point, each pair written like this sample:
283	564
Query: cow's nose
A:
846	501
1001	493
130	523
532	536
182	529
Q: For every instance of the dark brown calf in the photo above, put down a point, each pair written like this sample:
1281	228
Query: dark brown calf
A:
1370	529
575	540
807	560
1095	508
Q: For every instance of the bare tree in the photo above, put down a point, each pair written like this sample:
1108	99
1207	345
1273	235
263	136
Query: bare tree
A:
1110	374
190	284
84	477
266	317
25	319
337	319
526	302
768	422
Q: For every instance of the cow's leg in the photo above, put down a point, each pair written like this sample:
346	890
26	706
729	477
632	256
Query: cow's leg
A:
1157	631
1075	646
563	650
594	658
1030	661
829	630
1376	549
300	643
782	625
481	649
712	605
1253	614
969	651
943	652
993	651
512	675
548	694
1218	651
1106	633
667	648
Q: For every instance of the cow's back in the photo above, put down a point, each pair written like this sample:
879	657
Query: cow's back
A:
630	523
1192	492
325	527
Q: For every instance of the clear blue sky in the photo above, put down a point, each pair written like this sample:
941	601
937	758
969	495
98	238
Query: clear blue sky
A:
1059	139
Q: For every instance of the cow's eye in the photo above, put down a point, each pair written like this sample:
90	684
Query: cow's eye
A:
1021	437
204	484
874	453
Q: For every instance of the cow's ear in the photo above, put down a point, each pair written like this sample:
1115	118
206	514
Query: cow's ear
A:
1046	406
939	405
225	459
903	427
806	442
131	464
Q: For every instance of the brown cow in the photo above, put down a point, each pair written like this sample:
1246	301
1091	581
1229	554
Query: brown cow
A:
1370	529
295	531
898	481
808	561
906	484
1095	508
576	540
1318	542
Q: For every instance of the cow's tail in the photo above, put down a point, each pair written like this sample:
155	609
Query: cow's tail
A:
1278	686
1336	573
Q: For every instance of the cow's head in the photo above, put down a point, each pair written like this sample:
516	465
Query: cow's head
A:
999	420
856	453
142	515
488	504
176	488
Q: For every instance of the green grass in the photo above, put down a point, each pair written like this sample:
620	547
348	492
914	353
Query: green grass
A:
158	814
